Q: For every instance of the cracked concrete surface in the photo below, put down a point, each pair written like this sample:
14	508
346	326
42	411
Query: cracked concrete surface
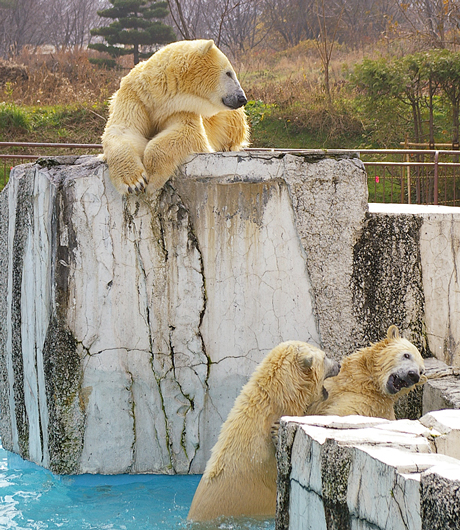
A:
440	247
346	475
163	304
131	324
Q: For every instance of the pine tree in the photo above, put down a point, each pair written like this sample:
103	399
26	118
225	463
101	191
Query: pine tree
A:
135	25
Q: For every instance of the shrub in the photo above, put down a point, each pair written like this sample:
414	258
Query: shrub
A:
109	64
257	110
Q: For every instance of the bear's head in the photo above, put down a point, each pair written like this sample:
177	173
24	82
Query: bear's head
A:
201	77
398	364
292	375
220	84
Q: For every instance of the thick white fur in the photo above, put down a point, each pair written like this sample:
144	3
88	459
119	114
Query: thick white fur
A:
169	107
240	476
361	386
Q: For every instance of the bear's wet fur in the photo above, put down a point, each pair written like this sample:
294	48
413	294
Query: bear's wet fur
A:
240	476
372	379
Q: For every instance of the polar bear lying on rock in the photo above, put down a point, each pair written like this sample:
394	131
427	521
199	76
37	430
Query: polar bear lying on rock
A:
184	99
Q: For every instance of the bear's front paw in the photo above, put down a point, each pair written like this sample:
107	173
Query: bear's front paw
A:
137	185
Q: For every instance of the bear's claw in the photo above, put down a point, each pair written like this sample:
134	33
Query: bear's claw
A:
139	187
274	432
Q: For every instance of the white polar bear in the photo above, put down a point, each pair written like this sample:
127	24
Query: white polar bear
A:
184	99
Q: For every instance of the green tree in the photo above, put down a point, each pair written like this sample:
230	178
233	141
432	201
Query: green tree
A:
411	91
447	74
378	85
399	80
136	24
428	66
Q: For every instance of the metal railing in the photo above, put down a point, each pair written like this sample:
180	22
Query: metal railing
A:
406	176
410	176
23	152
420	176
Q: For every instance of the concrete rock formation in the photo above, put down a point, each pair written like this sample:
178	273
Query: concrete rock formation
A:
358	473
130	325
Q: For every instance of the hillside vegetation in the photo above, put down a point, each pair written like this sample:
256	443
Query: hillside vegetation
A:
64	98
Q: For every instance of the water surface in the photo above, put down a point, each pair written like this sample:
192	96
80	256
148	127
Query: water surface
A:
32	497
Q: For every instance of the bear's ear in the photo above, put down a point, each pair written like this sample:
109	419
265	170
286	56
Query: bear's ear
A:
206	46
393	333
306	361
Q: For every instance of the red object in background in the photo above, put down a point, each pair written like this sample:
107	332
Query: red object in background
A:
377	179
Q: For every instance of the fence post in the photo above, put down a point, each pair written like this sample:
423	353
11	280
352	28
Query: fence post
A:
406	146
408	180
435	191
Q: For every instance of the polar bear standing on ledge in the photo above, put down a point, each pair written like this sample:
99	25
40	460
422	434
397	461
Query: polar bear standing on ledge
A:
184	99
240	476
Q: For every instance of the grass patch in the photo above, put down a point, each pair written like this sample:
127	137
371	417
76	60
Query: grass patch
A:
13	119
384	190
306	129
4	176
59	123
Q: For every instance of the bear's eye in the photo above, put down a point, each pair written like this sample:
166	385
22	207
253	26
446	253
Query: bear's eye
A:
229	74
407	356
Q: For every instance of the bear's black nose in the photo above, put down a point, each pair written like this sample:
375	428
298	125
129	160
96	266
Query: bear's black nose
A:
413	376
242	100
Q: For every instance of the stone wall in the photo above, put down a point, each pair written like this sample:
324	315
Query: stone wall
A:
417	247
131	324
357	473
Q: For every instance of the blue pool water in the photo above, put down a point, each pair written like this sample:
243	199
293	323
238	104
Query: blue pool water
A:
32	497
